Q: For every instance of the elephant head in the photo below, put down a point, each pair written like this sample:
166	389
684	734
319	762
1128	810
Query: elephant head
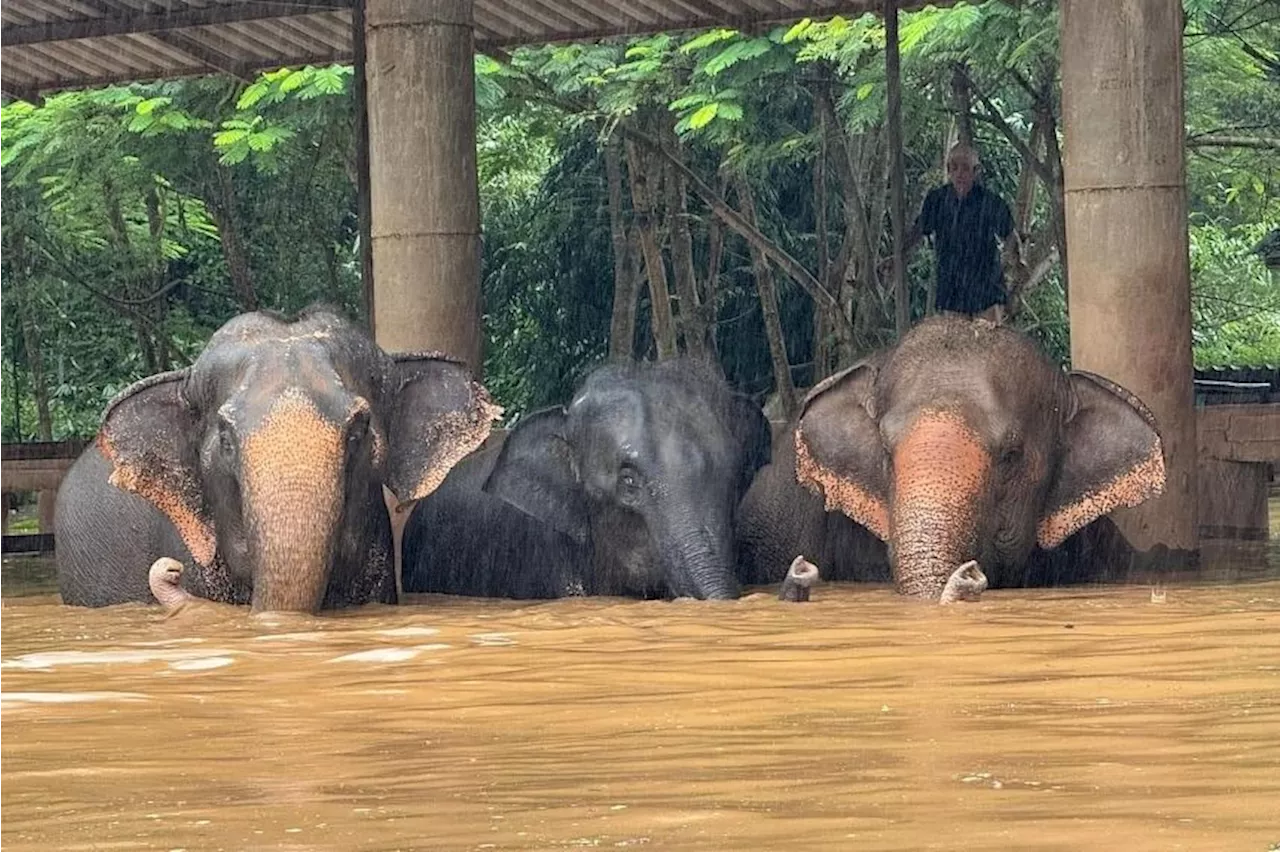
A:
965	442
269	453
646	467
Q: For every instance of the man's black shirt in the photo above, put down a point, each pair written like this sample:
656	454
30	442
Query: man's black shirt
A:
964	230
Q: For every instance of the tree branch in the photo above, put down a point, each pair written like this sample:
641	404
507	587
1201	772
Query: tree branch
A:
1263	143
734	220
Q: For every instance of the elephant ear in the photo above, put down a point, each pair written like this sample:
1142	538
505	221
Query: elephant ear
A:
438	415
537	474
1112	458
150	434
839	454
751	430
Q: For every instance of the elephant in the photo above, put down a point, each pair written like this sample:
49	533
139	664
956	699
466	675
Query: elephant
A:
630	491
963	441
262	466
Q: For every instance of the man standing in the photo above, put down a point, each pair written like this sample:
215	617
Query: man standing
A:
965	220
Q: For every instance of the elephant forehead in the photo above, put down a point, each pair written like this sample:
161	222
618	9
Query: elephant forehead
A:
265	383
293	447
992	407
317	354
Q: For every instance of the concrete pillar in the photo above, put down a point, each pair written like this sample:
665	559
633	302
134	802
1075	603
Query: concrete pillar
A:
1127	230
420	77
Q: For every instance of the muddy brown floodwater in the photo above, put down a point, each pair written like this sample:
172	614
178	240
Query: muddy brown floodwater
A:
1091	718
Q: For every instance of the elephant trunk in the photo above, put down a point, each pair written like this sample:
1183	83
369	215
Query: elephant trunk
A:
293	478
164	578
941	472
699	559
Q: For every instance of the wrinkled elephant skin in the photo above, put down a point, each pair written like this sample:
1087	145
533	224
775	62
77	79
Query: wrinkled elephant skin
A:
629	490
262	466
962	442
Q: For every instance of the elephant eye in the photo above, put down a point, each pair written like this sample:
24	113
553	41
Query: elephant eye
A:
226	438
629	485
1011	456
358	428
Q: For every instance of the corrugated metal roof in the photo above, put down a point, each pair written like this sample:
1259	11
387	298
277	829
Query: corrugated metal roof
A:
57	44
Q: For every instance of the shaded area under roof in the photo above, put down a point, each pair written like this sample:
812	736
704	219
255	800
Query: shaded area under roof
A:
60	44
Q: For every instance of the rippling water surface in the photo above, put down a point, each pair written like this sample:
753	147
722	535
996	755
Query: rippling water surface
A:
1057	720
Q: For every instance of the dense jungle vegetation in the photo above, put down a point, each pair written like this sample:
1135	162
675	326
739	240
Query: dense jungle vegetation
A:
617	183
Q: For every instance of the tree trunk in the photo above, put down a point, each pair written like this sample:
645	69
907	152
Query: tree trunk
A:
783	385
821	321
664	334
711	287
794	268
226	218
157	309
1025	201
31	340
359	168
897	188
692	326
40	387
1057	197
622	325
858	225
961	105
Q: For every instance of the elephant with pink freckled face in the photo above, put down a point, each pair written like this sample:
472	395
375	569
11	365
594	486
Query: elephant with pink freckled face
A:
262	466
962	442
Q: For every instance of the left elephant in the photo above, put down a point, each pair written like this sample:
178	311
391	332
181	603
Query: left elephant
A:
261	466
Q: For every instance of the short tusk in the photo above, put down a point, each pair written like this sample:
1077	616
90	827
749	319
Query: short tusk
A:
967	583
800	577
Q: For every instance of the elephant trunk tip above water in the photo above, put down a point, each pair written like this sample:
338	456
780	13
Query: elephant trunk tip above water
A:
965	442
798	583
165	579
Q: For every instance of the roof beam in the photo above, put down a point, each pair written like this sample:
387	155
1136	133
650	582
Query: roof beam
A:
213	59
19	93
12	36
183	44
81	81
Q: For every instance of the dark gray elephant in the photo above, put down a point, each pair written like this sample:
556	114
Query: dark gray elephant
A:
962	442
262	465
631	490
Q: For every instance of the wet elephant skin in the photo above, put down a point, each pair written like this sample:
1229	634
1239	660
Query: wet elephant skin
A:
963	442
629	490
261	467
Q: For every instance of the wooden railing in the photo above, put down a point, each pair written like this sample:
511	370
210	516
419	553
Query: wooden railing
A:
36	466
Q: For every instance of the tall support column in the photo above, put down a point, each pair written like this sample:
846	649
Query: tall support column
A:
422	167
1126	223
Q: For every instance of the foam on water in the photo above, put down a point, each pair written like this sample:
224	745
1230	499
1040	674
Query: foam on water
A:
67	697
53	659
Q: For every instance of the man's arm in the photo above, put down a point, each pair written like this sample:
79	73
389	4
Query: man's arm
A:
923	224
1004	228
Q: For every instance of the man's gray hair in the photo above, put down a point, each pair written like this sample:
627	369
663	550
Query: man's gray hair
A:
961	150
